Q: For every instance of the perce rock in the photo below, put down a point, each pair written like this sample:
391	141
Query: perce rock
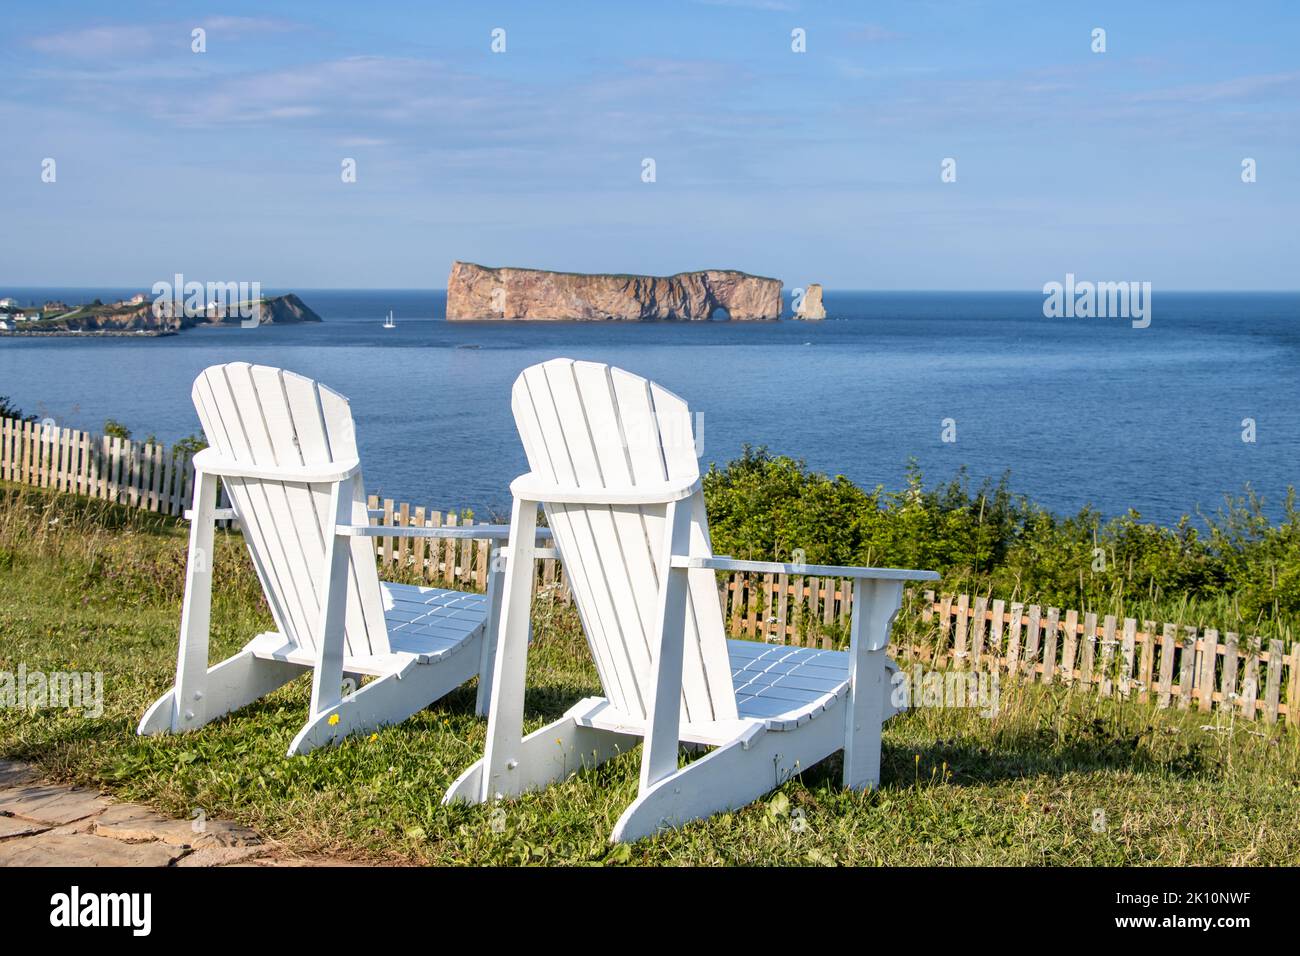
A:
810	307
478	292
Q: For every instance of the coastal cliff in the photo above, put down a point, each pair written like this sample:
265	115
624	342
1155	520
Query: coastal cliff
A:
478	292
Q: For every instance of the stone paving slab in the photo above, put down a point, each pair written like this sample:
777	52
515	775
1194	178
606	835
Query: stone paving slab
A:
12	826
51	804
135	824
84	849
44	824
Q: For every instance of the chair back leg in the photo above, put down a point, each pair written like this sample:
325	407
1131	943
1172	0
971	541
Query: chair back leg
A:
196	613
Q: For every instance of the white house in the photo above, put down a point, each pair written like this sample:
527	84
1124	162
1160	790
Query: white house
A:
8	303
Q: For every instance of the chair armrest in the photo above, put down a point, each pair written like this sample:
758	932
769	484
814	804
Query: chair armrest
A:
530	487
724	563
210	461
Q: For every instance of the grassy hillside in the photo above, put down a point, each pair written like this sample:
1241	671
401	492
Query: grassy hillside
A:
1052	779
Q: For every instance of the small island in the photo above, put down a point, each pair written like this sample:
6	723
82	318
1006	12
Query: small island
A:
477	292
138	315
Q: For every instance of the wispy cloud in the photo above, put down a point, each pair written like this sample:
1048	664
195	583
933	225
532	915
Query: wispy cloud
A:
110	41
98	42
1236	88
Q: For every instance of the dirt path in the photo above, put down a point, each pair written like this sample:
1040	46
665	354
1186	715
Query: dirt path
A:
43	824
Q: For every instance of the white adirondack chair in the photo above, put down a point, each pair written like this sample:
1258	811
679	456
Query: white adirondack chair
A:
284	447
613	464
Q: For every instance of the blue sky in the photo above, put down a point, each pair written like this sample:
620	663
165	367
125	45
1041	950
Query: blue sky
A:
816	166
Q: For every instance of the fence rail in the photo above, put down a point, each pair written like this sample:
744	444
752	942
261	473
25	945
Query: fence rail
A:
1172	664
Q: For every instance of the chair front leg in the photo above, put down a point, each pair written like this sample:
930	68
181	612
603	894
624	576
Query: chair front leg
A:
510	662
875	605
327	677
196	612
663	722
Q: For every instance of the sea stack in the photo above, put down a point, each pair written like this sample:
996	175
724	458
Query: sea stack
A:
810	306
477	292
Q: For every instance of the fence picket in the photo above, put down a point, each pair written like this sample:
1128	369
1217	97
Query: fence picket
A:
1187	678
1209	658
1272	693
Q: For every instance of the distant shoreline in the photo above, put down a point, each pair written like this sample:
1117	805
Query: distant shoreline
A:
90	333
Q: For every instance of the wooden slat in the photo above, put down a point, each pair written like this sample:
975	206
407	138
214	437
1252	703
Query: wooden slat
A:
419	546
1071	646
996	629
1108	644
1013	637
1187	678
1033	640
481	562
403	544
1127	657
387	522
451	520
1209	658
156	489
1146	659
962	624
436	550
1250	681
1051	634
782	607
1166	686
979	623
1228	682
1293	695
768	628
466	556
1273	685
1087	670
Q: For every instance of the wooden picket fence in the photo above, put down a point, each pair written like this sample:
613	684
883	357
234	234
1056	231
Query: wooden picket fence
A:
1173	665
133	473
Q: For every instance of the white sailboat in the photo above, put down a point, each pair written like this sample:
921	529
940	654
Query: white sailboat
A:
388	322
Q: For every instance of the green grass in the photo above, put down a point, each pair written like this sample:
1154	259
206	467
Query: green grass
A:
90	586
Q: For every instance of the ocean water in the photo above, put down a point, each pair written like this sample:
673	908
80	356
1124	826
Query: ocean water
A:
1080	411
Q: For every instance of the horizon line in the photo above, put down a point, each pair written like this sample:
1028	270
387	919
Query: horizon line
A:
379	288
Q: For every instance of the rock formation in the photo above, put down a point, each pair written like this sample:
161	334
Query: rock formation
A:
810	306
478	292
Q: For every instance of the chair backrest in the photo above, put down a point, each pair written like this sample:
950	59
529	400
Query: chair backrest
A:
589	425
268	417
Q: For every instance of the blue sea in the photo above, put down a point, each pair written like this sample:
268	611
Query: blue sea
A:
1080	411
